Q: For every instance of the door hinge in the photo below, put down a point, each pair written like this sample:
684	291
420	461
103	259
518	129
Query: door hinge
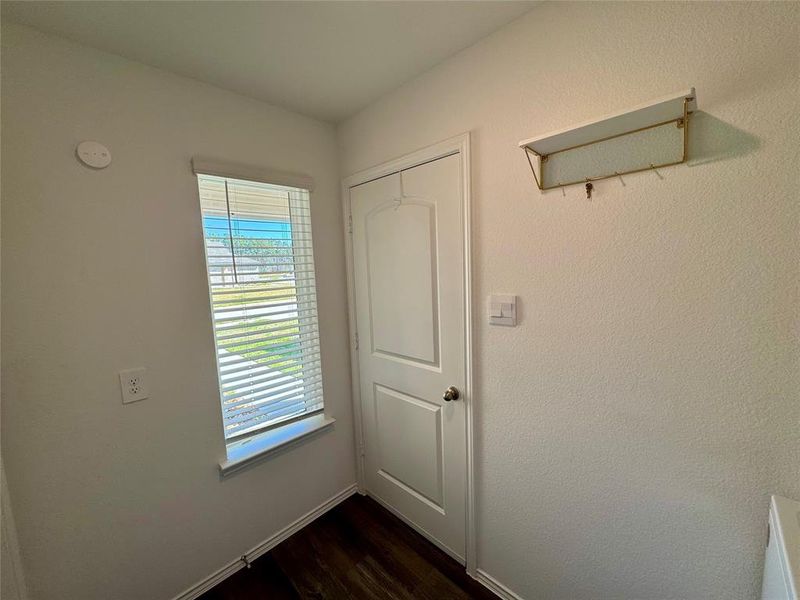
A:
356	340
361	450
350	223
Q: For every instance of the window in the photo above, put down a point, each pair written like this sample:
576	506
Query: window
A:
260	267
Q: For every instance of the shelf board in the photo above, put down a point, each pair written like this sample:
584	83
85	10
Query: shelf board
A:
657	111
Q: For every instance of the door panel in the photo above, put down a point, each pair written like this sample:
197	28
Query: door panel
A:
401	248
414	461
409	301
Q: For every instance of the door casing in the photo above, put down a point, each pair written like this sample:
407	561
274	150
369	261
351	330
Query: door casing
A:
455	145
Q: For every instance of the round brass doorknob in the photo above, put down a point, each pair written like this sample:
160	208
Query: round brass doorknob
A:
451	393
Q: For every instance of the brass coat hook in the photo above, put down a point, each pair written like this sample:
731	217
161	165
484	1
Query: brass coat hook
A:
647	117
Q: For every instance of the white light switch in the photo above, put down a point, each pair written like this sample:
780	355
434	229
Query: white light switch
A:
503	310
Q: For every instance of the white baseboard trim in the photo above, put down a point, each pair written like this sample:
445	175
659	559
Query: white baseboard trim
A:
498	588
268	544
9	543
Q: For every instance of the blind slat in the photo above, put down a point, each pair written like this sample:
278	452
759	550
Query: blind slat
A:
243	289
220	304
237	326
305	312
287	363
276	346
253	268
282	353
263	381
261	422
227	381
260	322
287	331
282	407
227	307
263	318
270	379
252	366
255	261
287	405
268	398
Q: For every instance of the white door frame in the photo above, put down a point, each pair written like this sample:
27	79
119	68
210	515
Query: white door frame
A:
455	145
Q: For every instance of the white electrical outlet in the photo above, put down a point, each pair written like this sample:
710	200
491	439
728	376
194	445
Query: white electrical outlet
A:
133	384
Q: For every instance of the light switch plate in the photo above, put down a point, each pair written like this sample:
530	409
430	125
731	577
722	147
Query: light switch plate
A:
133	384
503	310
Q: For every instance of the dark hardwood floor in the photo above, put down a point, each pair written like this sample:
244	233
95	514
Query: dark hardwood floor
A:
357	550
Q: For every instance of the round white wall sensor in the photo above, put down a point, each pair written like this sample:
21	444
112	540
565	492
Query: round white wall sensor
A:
94	154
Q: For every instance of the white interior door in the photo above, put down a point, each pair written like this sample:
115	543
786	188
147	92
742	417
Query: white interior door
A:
409	257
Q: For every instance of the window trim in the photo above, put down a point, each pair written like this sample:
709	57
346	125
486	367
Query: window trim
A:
230	441
250	447
209	166
251	450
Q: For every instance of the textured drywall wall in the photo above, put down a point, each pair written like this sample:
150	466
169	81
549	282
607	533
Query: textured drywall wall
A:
631	428
104	270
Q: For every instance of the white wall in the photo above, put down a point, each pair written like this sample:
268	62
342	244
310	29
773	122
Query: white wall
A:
632	426
104	270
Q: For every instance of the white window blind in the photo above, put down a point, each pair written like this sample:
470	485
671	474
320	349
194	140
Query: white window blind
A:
260	267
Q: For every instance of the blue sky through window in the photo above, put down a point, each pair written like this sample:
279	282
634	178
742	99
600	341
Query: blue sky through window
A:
251	228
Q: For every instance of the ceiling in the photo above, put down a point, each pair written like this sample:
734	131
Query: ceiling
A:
327	60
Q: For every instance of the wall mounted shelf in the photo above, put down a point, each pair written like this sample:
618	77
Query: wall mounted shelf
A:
674	108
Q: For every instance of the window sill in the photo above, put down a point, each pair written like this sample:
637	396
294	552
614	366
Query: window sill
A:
245	453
